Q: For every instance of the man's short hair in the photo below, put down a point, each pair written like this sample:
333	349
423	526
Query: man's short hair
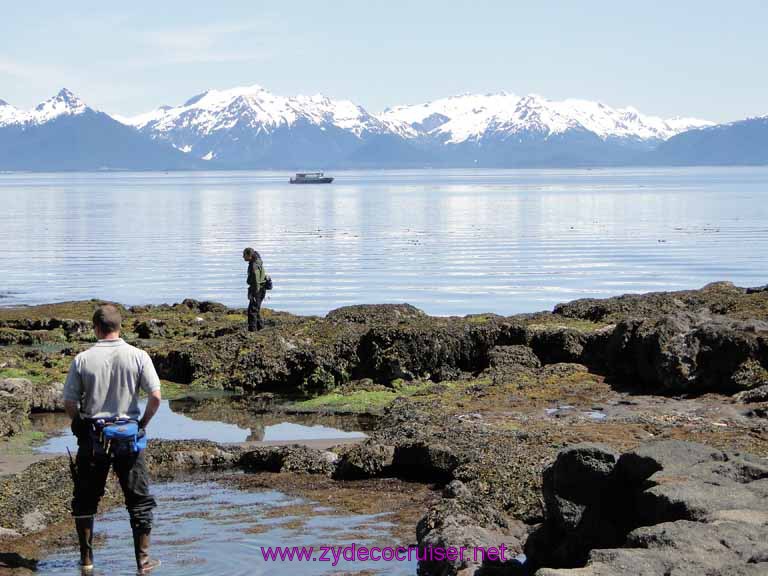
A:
248	252
107	318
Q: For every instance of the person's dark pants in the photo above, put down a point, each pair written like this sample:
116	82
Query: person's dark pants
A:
131	471
255	298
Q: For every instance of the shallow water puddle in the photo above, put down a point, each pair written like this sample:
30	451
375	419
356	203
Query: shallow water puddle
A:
173	423
206	528
568	410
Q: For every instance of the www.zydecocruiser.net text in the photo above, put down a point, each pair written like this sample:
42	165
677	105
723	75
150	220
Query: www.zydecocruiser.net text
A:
361	553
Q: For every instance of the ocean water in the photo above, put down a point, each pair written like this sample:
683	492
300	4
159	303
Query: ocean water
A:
449	242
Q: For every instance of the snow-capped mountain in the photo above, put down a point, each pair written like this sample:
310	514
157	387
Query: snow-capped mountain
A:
63	104
217	110
63	133
473	117
250	127
240	124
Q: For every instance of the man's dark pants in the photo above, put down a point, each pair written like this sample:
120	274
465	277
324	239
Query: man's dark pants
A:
255	298
131	471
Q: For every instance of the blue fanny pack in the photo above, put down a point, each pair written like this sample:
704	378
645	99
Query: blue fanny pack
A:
118	437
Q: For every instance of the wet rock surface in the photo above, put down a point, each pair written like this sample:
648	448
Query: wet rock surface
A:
368	459
299	459
713	339
690	352
40	397
667	507
13	414
480	406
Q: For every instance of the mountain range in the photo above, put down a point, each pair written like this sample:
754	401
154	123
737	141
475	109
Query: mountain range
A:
63	133
252	128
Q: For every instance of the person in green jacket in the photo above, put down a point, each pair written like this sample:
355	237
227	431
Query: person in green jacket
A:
257	288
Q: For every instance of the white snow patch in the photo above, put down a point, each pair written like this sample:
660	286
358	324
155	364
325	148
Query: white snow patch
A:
10	115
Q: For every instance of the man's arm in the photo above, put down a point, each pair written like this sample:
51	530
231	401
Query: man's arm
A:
150	383
153	403
73	387
72	409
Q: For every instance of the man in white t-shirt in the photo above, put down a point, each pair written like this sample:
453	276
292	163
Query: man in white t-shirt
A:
103	386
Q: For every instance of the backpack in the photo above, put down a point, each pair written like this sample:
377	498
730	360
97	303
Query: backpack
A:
268	283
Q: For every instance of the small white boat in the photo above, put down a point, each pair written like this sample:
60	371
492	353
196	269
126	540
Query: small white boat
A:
311	178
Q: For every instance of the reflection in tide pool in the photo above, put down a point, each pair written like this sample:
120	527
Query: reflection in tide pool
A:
205	529
447	241
172	425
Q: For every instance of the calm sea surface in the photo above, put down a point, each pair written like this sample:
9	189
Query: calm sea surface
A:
449	242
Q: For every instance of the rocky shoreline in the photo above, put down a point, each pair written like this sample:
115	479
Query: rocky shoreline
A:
625	435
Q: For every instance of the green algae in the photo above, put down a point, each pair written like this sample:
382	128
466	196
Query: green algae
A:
360	401
22	444
376	399
32	375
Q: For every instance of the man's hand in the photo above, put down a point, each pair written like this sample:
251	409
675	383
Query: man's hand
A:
152	405
77	424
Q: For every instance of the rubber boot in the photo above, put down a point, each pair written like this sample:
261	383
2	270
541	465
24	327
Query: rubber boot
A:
84	528
144	564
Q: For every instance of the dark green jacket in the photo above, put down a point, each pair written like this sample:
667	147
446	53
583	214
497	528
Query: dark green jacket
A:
257	276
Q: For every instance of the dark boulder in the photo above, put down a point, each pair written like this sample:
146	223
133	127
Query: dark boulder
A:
749	375
683	549
299	459
686	509
583	472
204	306
425	461
39	397
168	457
150	329
511	357
757	289
483	532
12	336
291	365
375	314
77	329
759	394
718	297
508	362
368	459
692	353
558	344
181	365
581	512
431	348
456	489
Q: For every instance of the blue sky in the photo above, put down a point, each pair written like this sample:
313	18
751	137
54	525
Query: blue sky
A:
682	57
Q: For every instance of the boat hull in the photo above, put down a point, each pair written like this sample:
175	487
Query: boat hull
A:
325	180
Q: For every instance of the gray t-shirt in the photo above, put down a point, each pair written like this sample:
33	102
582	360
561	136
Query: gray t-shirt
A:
106	378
